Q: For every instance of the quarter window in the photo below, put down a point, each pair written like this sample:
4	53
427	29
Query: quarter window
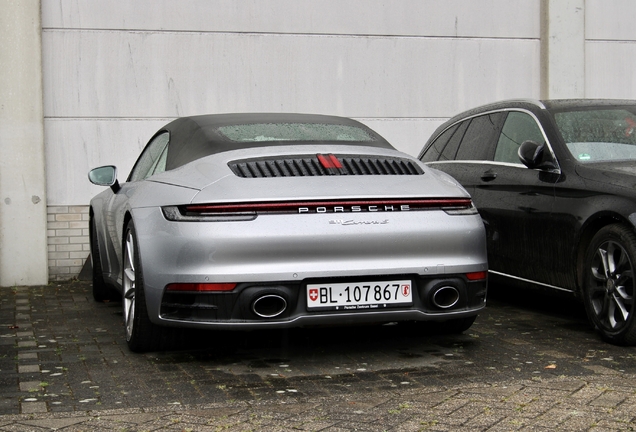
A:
480	137
450	151
435	149
153	159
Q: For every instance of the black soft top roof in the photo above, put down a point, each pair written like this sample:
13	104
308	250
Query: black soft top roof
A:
192	138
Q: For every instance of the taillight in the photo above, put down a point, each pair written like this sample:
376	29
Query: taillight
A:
205	214
249	211
200	287
461	210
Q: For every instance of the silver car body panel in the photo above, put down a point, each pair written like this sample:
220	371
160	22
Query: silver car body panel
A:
276	248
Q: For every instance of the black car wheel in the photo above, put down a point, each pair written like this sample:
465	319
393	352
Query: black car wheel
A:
141	334
101	291
610	284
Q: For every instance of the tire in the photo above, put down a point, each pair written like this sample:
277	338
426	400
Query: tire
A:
610	284
101	291
141	334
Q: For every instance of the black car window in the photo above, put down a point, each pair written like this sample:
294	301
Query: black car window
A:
152	159
599	134
450	151
435	148
479	139
519	127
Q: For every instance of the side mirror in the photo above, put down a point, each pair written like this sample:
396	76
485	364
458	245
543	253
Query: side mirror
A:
104	176
533	155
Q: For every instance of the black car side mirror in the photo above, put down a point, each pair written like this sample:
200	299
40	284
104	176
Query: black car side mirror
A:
533	155
105	176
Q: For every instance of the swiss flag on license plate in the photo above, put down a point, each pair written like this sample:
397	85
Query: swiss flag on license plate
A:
313	294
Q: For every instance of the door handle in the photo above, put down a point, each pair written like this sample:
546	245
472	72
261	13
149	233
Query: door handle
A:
489	175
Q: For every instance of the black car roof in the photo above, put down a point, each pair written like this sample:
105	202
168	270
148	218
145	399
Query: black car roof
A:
547	104
195	137
559	104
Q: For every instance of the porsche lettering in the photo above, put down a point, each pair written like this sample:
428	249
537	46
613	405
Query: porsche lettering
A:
354	209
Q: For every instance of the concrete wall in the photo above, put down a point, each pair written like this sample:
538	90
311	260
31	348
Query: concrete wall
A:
114	71
610	49
563	49
117	70
23	258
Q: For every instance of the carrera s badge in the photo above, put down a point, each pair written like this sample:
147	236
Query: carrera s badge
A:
353	222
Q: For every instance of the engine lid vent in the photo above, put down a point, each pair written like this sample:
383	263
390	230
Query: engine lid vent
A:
324	165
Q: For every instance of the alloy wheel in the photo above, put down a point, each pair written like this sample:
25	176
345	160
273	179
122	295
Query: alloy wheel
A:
611	293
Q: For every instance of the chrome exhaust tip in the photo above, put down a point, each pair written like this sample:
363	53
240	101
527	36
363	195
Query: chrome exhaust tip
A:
269	306
445	297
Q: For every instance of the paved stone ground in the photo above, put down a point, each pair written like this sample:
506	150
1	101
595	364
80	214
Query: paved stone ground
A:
530	362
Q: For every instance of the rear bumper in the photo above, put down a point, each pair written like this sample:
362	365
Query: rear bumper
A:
283	305
280	254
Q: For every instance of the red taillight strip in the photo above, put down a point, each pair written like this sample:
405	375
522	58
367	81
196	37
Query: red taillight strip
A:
475	276
201	287
291	205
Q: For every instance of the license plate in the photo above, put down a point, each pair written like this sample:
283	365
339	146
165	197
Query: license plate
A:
359	295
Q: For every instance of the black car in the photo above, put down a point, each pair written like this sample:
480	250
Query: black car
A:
555	183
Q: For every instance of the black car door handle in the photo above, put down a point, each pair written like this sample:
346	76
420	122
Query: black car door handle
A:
489	175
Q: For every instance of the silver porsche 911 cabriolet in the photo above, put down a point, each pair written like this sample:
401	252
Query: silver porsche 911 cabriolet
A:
244	221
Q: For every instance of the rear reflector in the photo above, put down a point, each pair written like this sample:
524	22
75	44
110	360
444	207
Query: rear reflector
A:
476	276
201	287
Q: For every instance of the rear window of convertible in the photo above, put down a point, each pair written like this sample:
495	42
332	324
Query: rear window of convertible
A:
263	132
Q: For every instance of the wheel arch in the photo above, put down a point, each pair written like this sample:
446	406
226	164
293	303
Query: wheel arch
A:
127	218
91	221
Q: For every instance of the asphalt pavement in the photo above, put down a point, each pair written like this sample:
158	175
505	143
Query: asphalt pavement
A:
530	362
